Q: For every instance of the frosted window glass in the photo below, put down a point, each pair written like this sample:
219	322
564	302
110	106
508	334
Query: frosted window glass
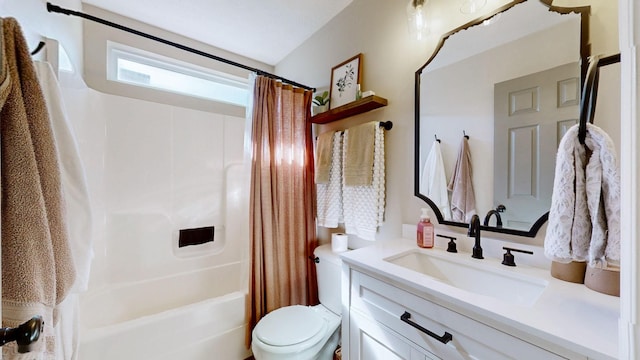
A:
138	70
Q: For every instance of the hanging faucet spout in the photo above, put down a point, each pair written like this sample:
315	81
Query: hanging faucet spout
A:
474	231
498	218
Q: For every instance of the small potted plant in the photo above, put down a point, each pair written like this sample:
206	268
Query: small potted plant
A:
321	103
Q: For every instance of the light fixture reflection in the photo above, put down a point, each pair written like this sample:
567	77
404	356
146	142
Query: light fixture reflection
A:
417	19
472	6
492	19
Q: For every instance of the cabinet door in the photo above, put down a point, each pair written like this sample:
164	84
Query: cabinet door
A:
470	339
369	340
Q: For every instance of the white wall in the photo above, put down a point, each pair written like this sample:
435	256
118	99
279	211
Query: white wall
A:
378	29
629	329
36	22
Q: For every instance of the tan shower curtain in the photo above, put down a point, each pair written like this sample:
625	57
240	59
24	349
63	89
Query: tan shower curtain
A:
282	201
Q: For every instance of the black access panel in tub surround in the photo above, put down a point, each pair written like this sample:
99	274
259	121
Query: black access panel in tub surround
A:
197	236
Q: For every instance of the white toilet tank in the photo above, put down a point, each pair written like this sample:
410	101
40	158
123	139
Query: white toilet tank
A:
329	273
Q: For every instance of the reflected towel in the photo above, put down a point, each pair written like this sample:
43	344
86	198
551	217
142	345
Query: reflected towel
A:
364	204
329	195
324	157
359	152
37	267
463	199
584	218
434	181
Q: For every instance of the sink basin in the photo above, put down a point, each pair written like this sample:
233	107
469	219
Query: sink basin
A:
472	277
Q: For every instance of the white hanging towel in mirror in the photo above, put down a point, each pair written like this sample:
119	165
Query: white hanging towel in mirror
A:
463	199
433	183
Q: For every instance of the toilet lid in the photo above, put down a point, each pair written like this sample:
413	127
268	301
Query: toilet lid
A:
289	325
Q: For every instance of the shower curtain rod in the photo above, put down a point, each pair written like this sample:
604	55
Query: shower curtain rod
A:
57	9
608	60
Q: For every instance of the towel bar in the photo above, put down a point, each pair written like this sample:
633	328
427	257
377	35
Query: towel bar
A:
24	335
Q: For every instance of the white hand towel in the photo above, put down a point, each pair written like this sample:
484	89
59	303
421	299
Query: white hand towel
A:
329	194
434	181
463	198
584	218
364	204
79	220
74	183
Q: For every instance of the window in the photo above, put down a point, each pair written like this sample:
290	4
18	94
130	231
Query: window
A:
135	67
64	63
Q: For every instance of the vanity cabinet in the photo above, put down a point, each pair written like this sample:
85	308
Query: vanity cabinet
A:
369	340
376	330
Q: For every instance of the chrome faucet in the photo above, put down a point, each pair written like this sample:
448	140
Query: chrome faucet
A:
474	230
498	218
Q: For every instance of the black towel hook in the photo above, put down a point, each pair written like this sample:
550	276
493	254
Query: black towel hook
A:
465	134
436	136
590	92
41	45
589	97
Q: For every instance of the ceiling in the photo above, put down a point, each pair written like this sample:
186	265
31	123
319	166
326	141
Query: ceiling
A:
263	30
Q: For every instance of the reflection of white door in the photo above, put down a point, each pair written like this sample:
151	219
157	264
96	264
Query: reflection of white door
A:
531	115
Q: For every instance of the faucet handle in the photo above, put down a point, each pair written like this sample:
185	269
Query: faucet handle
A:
508	259
451	246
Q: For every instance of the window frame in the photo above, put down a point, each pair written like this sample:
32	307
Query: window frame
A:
116	51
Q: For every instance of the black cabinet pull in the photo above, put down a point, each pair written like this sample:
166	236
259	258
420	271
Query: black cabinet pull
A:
443	339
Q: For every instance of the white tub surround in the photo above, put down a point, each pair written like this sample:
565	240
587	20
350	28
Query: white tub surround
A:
194	332
186	316
565	321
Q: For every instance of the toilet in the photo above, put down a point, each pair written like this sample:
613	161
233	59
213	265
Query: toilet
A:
305	332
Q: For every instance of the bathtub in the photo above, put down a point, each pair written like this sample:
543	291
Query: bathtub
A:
191	316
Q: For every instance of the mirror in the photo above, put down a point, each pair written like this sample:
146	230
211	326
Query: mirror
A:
493	82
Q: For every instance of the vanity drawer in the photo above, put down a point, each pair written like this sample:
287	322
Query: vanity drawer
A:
470	339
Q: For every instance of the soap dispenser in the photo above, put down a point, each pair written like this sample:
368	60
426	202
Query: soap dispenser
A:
425	230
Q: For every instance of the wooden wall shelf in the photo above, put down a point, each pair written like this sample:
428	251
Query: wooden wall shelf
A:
353	108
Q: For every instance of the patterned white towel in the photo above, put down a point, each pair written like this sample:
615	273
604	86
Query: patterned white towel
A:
329	194
584	219
364	205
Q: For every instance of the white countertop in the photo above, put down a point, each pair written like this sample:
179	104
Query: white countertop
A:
568	315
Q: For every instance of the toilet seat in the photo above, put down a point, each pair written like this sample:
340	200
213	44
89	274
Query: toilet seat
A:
289	326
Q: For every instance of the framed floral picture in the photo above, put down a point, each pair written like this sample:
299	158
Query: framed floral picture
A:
345	78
